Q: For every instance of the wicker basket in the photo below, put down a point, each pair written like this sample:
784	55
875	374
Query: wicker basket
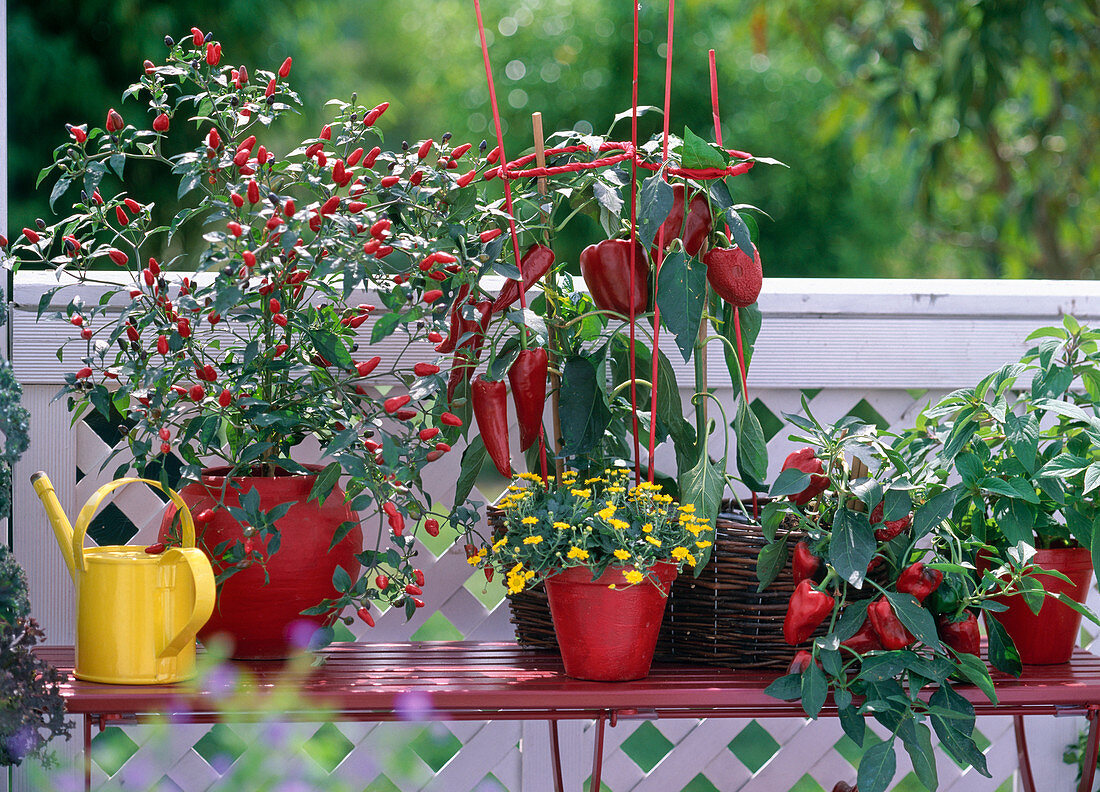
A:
717	618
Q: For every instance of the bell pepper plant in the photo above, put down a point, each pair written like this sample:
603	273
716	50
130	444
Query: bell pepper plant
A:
886	596
244	320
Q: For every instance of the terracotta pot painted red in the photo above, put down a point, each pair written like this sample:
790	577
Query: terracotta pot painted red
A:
264	621
1049	636
605	634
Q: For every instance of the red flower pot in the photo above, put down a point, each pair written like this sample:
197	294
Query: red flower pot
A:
605	634
1049	636
264	620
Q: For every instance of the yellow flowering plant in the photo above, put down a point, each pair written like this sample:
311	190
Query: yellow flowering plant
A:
594	522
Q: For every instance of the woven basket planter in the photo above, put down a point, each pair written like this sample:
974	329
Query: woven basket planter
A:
717	618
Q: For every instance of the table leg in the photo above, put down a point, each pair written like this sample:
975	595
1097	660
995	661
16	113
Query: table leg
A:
1088	772
1026	781
555	756
87	752
597	754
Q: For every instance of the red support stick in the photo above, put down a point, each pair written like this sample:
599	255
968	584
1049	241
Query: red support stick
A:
633	245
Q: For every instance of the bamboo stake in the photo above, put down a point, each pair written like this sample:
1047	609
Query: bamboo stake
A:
555	379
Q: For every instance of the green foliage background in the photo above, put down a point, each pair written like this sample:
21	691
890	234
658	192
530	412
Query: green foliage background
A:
930	139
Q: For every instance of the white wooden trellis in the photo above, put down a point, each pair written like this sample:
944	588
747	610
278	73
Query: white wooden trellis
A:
888	346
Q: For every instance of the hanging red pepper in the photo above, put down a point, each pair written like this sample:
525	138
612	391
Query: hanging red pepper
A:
864	641
606	269
455	315
734	276
806	460
695	230
528	379
919	580
490	401
889	629
805	564
467	353
535	263
962	636
891	528
805	612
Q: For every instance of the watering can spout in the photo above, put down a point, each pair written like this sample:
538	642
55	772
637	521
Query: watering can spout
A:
62	529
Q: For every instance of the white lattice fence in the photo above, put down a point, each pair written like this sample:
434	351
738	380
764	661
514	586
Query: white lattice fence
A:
880	349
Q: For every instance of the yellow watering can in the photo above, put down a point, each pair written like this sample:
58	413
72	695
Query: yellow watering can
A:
136	613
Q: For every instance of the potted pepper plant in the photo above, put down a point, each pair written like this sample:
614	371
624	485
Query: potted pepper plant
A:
1014	459
885	602
222	354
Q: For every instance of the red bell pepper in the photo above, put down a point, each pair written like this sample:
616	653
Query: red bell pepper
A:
863	641
962	636
805	564
806	461
467	353
535	263
606	269
695	230
889	629
528	380
805	612
919	580
490	401
734	276
891	528
800	662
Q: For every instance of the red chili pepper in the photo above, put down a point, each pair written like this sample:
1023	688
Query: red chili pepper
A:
864	641
806	460
253	192
395	403
162	344
450	419
962	636
118	257
606	269
919	580
527	377
695	230
889	629
284	70
432	527
419	576
460	150
213	54
161	123
114	121
805	564
735	277
468	352
213	139
197	393
156	549
800	662
375	114
367	366
425	369
455	317
490	401
83	373
225	398
31	235
465	179
364	615
535	263
805	612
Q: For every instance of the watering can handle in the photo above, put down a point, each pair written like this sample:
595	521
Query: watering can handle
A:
203	576
84	519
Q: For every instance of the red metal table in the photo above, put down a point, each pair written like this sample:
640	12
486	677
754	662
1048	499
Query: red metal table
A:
500	681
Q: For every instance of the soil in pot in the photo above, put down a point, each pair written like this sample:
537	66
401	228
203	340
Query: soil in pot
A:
1049	636
264	620
605	634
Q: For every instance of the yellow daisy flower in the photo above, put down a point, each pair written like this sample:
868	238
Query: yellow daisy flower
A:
653	540
532	540
634	576
703	544
530	521
622	555
561	526
679	553
578	553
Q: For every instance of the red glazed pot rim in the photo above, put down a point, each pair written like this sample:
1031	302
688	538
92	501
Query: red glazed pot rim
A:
1064	559
582	575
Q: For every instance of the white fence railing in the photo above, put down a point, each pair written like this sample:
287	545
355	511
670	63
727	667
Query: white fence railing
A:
882	348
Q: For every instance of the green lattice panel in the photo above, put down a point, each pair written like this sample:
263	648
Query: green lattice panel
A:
328	747
646	747
754	746
220	747
436	746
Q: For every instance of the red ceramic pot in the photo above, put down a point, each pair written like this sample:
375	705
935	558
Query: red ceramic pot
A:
264	621
1049	636
605	634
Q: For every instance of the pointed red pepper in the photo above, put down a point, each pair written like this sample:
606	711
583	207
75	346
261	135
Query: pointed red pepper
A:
805	612
527	377
606	269
490	402
535	263
468	352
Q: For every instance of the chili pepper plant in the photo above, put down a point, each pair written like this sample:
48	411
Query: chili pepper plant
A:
588	343
236	348
886	591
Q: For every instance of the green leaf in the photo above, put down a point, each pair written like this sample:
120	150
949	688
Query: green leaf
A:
934	512
916	619
789	482
584	415
786	688
58	190
770	562
681	294
740	231
814	690
384	326
1085	611
961	747
876	767
961	434
698	153
752	448
325	482
923	756
342	530
703	485
341	580
896	504
118	163
852	546
331	347
473	459
1002	651
852	722
851	619
655	199
771	518
1092	477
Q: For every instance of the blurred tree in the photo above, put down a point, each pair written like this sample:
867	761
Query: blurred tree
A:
995	104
